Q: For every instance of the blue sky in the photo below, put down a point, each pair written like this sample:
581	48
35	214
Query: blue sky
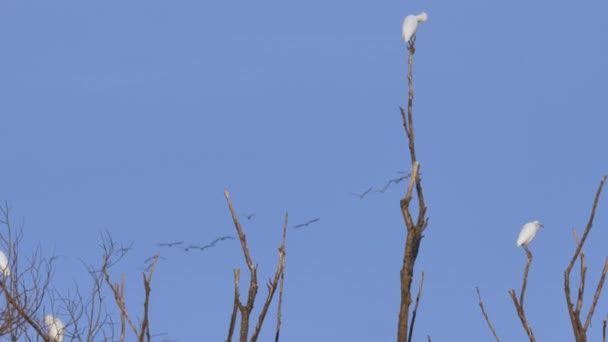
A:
135	117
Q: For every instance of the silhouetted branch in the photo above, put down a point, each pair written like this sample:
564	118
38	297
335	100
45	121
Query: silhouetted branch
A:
604	329
485	315
415	311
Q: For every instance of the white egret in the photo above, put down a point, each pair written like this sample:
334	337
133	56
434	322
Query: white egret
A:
528	232
410	24
4	268
55	328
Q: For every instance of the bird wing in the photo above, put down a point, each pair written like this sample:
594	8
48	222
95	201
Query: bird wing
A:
527	233
409	27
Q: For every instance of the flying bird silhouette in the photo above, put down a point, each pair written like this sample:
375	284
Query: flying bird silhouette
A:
392	181
170	244
211	244
363	194
317	219
249	216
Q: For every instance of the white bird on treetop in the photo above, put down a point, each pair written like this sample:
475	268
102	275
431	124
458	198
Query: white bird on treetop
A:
528	232
55	328
410	24
4	268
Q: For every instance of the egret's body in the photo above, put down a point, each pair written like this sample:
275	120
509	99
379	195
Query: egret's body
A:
55	328
528	232
4	268
410	24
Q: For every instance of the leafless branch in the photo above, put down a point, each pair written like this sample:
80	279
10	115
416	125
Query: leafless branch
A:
237	302
580	329
278	330
414	228
272	285
415	311
246	309
485	315
519	304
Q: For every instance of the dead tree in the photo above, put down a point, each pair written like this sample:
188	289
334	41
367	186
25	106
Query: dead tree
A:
415	226
245	309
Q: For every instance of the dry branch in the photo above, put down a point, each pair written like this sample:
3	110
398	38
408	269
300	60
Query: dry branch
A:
247	308
414	227
574	311
485	315
519	304
415	311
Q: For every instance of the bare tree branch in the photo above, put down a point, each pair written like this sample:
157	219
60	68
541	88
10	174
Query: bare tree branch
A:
237	302
414	229
485	315
519	304
246	309
415	311
580	330
272	285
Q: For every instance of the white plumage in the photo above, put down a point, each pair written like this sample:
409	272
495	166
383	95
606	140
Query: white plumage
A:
4	268
55	328
528	232
410	24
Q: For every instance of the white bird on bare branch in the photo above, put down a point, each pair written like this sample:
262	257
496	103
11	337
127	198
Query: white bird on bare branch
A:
528	232
410	24
4	268
55	328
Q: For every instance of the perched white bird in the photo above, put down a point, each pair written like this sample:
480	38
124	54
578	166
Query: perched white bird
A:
410	24
528	232
4	268
55	327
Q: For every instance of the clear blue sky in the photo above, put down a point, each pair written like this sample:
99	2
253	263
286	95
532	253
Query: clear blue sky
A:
134	117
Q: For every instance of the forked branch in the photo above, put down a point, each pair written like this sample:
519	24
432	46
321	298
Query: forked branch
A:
415	227
247	308
519	304
574	311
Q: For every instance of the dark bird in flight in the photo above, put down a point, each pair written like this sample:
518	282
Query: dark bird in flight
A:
249	216
317	219
363	194
170	244
392	181
212	244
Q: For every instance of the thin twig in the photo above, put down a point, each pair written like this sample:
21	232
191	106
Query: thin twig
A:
272	285
278	331
485	315
237	301
415	311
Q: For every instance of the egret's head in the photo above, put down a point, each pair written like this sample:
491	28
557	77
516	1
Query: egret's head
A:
422	17
49	320
538	224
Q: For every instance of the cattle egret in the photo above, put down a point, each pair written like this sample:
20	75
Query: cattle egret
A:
55	327
410	24
528	232
4	265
